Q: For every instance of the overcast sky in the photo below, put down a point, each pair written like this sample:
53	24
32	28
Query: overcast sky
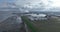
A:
7	1
38	3
35	4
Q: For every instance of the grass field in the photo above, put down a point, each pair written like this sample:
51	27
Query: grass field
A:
29	24
51	25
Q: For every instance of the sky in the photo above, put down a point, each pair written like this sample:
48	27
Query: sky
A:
33	4
7	1
56	3
36	4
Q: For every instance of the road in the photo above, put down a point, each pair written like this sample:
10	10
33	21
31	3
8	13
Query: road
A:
12	24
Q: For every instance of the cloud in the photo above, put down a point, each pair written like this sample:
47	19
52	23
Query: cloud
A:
7	1
35	4
32	3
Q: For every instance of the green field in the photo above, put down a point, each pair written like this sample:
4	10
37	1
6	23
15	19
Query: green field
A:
51	25
29	24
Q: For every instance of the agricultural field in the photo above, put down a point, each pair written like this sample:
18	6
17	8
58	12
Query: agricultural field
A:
50	25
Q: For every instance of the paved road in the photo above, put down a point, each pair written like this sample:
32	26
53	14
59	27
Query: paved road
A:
12	24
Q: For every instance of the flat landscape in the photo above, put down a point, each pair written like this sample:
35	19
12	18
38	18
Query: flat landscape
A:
51	25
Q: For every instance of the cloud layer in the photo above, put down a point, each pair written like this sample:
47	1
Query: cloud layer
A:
39	5
33	3
7	1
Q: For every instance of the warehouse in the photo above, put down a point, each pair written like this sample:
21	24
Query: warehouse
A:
37	17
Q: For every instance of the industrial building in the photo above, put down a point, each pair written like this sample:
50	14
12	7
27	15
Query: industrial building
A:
37	17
